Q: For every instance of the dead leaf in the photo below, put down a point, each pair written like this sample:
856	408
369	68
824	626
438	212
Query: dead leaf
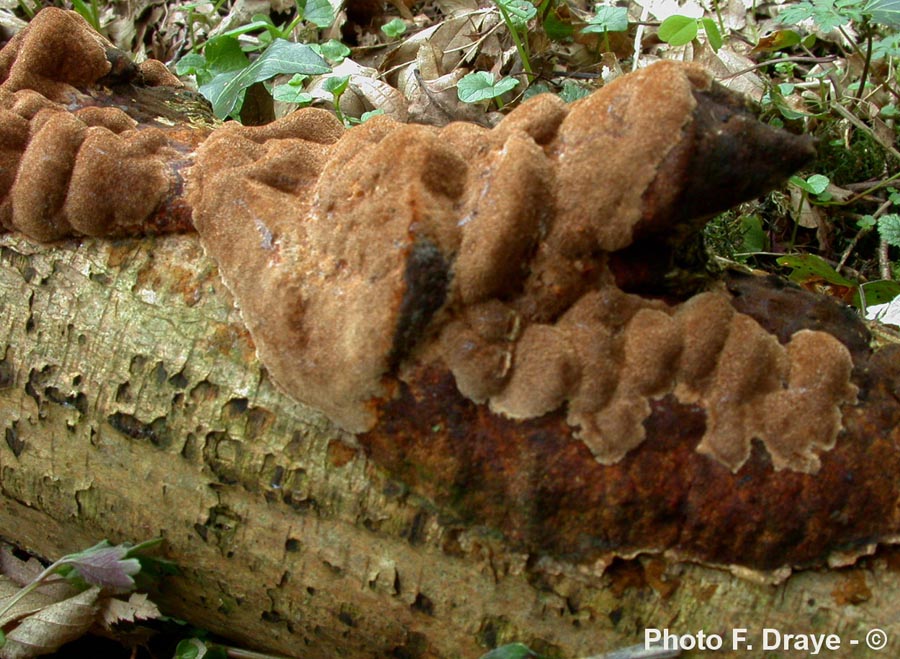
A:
138	607
51	627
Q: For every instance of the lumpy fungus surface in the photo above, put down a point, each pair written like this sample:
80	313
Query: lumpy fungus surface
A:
362	258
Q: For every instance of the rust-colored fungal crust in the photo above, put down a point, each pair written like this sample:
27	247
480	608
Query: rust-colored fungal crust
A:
478	304
78	155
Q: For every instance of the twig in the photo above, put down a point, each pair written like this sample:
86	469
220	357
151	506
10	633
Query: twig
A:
884	260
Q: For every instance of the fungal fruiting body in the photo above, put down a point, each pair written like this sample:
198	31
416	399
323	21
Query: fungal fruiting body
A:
475	302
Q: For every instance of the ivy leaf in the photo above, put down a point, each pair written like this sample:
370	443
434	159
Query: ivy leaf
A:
678	30
280	58
889	229
607	19
105	565
480	86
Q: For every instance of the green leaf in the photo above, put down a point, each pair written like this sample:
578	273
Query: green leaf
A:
319	12
572	91
815	184
879	292
511	651
884	12
190	64
535	89
394	28
607	19
712	33
337	85
557	29
807	267
755	239
190	648
480	86
678	30
281	57
292	94
866	222
518	11
371	113
224	53
334	51
889	229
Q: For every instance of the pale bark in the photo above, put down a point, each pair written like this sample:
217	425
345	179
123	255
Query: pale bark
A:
132	406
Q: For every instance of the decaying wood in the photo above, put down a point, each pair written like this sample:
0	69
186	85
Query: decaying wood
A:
132	406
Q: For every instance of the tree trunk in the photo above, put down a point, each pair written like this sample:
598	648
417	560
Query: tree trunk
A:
133	406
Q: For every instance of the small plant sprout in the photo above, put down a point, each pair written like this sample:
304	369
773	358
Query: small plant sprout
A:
337	85
816	185
680	30
607	19
480	86
293	91
396	27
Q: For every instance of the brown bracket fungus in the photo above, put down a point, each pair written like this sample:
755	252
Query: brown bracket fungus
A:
477	304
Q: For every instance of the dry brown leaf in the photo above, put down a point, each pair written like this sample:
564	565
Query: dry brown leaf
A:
34	601
138	606
21	573
51	627
364	93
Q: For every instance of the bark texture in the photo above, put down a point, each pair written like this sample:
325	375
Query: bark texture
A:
132	406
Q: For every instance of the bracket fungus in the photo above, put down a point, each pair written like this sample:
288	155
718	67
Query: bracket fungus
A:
479	306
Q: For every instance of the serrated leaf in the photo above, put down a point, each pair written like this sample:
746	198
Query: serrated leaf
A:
319	12
712	33
105	566
480	86
138	607
50	628
678	30
282	57
889	229
607	19
518	11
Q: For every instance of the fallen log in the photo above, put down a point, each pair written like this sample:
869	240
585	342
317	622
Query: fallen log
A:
474	306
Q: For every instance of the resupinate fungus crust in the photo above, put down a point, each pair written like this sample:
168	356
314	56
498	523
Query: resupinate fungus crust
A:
487	309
